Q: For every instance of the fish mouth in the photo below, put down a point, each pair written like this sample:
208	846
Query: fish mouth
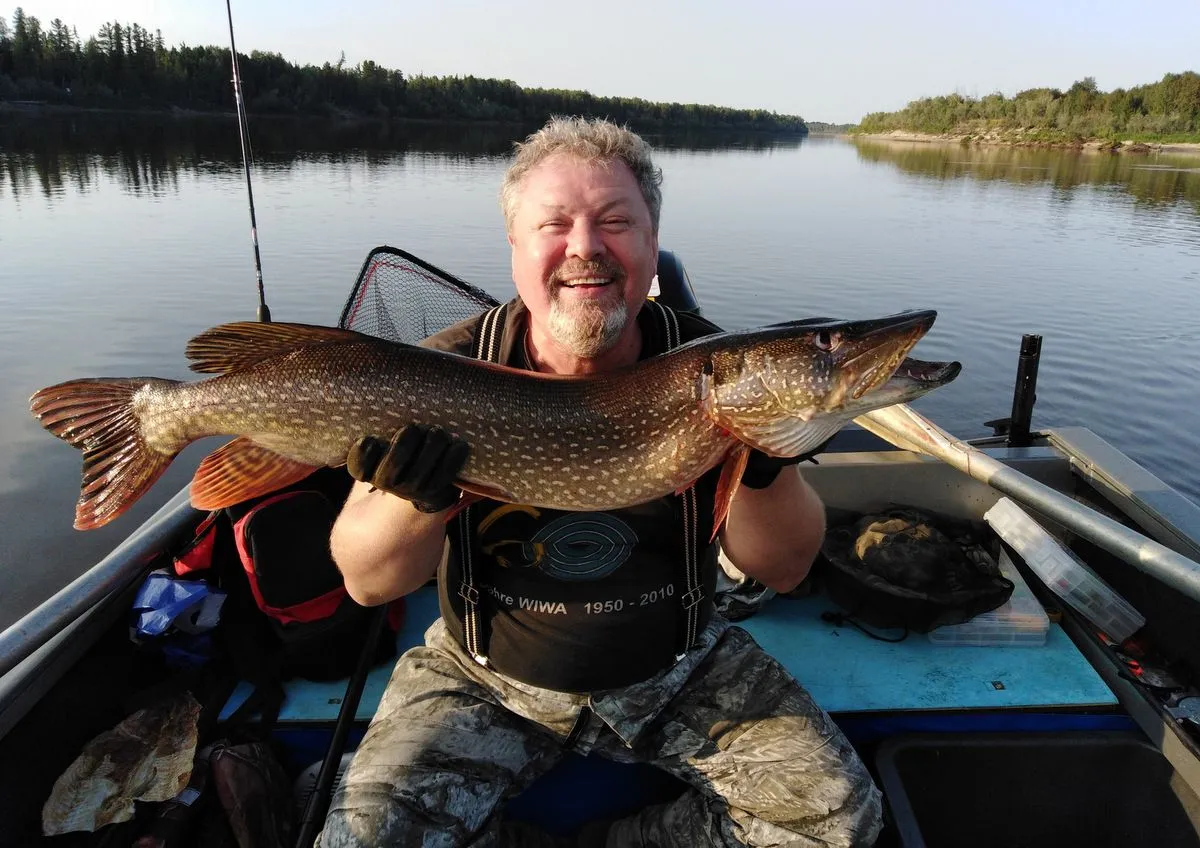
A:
923	373
912	379
882	345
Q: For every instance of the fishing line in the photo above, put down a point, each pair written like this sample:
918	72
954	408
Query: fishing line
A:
264	312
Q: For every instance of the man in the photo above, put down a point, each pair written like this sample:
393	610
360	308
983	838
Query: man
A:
585	632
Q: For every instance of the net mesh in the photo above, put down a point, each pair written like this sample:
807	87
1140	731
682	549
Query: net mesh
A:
405	299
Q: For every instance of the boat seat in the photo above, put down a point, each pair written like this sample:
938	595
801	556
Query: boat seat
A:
861	676
871	688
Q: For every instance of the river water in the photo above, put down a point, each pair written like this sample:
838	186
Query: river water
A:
120	239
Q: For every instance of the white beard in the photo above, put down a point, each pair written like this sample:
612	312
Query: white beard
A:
588	329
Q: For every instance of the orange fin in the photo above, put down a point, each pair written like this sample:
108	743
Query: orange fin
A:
245	343
96	416
492	492
242	470
727	486
475	492
465	501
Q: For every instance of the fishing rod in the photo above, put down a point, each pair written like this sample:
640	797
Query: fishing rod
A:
318	803
264	311
909	430
317	806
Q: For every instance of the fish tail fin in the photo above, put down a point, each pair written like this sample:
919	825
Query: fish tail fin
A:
97	416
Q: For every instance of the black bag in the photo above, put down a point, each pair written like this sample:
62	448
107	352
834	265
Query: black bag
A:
287	613
255	794
238	796
907	569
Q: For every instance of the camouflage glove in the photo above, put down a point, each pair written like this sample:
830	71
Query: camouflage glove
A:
419	464
761	470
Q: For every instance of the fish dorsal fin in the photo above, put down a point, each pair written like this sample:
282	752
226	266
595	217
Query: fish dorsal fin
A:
241	344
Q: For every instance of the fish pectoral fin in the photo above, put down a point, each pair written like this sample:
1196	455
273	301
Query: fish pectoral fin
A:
241	470
727	485
465	501
243	343
789	436
494	493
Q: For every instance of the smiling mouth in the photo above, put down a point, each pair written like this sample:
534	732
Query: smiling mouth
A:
586	282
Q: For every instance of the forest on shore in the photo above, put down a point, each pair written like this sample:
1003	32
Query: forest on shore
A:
1163	111
126	66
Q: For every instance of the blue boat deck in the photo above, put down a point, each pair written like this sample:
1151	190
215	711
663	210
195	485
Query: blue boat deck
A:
846	672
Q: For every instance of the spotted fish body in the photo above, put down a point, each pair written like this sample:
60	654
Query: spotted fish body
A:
297	397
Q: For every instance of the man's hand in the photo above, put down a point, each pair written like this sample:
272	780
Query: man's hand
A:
419	464
761	470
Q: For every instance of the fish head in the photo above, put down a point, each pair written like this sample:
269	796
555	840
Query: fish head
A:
786	388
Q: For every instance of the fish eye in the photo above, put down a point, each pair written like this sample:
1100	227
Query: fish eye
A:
827	341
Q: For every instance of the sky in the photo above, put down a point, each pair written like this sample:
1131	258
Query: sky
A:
825	61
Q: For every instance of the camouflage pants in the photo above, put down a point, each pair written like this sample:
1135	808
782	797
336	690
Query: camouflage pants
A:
451	741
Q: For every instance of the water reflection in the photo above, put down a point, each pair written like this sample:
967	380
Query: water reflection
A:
1155	179
145	154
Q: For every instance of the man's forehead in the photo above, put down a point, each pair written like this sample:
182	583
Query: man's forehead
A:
560	179
563	166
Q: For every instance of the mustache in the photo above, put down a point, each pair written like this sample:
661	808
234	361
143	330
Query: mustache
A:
588	268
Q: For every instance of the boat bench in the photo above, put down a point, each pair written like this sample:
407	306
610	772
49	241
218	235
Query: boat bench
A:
844	670
873	689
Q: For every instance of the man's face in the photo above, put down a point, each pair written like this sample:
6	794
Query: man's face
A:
583	252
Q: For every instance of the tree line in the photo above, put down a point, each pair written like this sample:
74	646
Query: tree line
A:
1037	168
823	128
1167	110
128	66
150	153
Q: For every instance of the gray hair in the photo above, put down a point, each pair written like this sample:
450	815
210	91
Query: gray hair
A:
592	140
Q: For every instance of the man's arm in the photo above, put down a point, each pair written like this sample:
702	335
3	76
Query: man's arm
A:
389	537
773	534
384	547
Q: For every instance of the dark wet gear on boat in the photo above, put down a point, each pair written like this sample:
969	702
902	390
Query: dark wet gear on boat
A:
905	569
452	740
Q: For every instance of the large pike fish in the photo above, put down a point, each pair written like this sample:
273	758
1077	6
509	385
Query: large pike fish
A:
298	396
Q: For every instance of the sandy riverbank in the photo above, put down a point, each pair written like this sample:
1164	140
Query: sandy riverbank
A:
1014	140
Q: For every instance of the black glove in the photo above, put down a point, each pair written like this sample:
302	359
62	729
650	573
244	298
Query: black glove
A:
419	464
761	469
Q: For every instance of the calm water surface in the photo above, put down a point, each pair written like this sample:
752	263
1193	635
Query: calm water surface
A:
119	240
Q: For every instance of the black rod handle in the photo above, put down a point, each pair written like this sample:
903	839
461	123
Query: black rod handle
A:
318	802
1025	391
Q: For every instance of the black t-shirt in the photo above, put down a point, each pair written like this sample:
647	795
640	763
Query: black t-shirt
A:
578	601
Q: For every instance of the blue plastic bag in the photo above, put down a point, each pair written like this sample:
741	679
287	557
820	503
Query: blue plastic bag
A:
166	603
